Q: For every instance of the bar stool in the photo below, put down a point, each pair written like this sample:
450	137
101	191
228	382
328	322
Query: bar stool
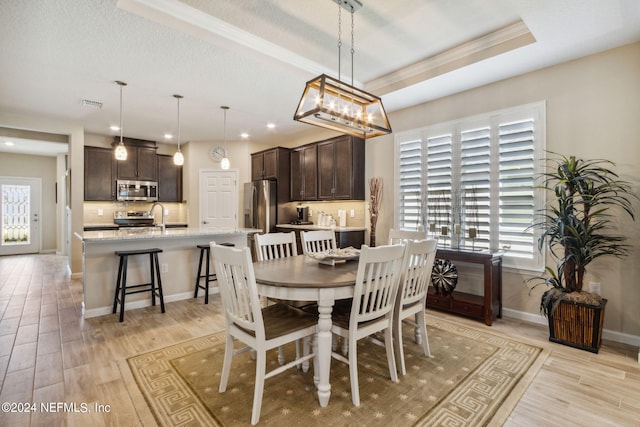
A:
205	251
121	285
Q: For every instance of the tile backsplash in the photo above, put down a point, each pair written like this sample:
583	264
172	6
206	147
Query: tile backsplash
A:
92	210
360	218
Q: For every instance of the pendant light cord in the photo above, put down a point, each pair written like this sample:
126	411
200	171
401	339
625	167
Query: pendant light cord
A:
353	49
179	123
339	40
120	83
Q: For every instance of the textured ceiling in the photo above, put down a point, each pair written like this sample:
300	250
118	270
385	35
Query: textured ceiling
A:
255	56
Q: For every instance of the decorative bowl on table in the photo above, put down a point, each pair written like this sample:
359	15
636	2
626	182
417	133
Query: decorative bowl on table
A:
332	256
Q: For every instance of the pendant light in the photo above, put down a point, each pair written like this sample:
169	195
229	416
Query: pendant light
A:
333	104
121	150
178	158
224	163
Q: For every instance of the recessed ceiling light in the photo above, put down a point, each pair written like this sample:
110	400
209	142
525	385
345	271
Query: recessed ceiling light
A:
114	127
168	136
271	125
244	135
9	143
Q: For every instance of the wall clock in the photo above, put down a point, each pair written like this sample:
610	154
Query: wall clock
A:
217	153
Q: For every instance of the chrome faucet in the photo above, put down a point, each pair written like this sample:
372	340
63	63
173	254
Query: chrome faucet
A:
162	224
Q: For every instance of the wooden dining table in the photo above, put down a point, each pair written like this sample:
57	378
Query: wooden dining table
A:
302	278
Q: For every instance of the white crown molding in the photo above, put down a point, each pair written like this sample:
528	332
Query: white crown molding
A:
510	37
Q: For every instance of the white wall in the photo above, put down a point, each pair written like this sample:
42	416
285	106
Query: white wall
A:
593	111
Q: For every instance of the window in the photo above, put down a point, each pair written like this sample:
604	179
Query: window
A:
470	182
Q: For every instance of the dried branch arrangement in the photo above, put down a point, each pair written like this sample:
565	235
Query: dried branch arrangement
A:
375	199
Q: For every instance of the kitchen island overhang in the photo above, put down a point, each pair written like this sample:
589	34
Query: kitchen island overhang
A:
178	261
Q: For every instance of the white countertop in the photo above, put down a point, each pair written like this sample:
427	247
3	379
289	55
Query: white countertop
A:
318	227
175	233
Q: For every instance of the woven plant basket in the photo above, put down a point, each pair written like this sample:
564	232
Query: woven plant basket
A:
577	325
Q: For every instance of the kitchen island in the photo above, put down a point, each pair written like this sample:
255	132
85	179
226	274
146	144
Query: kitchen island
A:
178	262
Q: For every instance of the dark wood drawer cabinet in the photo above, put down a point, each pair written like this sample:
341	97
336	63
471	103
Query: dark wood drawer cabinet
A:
169	179
304	171
341	168
486	307
99	174
141	163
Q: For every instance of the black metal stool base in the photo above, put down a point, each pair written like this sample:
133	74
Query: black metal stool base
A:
205	251
121	285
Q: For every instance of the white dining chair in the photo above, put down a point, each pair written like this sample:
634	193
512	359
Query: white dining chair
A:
280	245
317	241
261	329
376	286
275	245
402	236
412	296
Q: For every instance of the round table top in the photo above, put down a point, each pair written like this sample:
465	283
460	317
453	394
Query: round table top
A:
304	272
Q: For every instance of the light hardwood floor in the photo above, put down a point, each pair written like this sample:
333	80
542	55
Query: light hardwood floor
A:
49	353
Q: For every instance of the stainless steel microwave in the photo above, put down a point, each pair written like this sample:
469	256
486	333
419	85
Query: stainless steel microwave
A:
143	191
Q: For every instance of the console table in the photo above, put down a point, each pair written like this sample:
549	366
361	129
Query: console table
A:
485	307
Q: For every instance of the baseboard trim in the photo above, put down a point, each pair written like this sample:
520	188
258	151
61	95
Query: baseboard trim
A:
540	319
102	311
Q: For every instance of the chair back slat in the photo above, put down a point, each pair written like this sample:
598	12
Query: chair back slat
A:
416	270
402	236
377	281
238	289
275	245
317	241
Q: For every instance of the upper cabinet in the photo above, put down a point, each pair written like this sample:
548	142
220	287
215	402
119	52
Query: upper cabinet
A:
169	179
304	171
141	163
341	168
99	174
273	163
268	164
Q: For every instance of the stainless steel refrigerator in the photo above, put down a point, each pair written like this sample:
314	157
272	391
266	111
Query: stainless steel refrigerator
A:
260	205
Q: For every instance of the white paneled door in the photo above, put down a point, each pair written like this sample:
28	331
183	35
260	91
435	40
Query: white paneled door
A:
219	199
20	215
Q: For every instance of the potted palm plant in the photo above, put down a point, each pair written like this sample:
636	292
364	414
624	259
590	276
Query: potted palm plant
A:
576	226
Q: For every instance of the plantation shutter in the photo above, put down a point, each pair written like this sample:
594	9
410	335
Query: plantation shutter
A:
475	184
410	185
439	173
517	187
476	174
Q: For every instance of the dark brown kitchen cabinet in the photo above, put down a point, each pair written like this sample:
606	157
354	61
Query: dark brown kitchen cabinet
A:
141	163
268	164
169	179
99	174
341	168
304	171
274	164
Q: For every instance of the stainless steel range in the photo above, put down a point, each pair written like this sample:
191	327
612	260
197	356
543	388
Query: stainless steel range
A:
133	219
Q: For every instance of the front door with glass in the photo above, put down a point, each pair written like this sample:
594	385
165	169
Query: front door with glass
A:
20	215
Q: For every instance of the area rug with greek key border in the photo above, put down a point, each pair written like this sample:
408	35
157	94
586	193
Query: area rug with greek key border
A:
474	378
